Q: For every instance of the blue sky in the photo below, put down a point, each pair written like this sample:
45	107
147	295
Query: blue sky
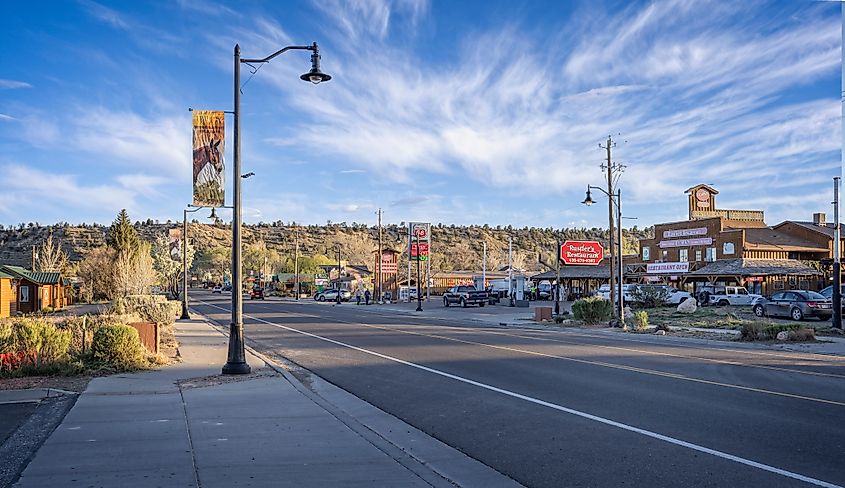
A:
454	112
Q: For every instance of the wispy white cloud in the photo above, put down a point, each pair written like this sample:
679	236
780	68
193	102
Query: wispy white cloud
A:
12	84
6	117
104	14
56	191
695	87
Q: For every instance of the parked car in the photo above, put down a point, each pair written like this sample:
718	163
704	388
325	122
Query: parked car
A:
677	296
726	295
227	287
257	293
544	291
796	304
828	293
331	295
604	291
217	289
464	295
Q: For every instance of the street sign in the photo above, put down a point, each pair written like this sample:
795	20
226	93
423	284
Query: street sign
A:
583	253
419	232
422	252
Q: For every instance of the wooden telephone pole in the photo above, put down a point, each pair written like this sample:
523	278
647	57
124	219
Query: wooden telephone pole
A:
615	257
380	261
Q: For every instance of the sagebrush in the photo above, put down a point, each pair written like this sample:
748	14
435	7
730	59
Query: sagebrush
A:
592	310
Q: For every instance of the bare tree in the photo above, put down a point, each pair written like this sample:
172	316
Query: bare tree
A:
50	258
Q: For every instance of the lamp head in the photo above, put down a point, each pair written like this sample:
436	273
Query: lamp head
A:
213	215
315	75
589	200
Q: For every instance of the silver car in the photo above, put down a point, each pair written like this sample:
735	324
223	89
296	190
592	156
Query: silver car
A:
331	295
796	304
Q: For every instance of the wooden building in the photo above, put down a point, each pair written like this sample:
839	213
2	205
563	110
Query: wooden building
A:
8	299
443	280
730	247
35	291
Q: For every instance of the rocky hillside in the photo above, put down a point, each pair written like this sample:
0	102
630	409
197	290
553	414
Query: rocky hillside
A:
453	247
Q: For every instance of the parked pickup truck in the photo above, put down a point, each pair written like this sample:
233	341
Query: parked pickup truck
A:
464	295
726	295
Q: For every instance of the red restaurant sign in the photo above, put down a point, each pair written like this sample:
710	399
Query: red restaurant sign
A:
589	253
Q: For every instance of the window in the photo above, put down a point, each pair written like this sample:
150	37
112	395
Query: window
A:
646	253
778	296
711	254
24	294
698	255
683	255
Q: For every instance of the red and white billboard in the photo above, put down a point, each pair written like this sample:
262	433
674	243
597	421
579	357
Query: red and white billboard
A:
582	253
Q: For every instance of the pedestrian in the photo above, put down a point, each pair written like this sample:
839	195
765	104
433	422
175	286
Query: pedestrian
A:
358	297
367	297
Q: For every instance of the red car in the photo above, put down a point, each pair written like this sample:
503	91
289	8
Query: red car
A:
256	294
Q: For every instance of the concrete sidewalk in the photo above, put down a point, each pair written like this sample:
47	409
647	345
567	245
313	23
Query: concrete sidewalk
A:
185	425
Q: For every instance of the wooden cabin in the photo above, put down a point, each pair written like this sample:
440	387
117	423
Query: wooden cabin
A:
36	291
8	300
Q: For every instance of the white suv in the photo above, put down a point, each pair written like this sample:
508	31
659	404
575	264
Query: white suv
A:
727	295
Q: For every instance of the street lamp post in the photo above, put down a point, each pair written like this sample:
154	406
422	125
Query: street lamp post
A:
185	212
616	199
236	360
837	265
338	274
419	294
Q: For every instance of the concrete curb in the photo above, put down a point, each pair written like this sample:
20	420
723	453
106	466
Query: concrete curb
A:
438	464
20	448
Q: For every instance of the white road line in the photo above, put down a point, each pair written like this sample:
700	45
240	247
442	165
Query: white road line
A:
554	406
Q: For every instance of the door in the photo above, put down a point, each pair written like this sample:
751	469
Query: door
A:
773	304
742	297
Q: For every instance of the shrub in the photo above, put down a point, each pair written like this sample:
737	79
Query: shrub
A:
751	331
592	310
32	343
802	335
160	313
649	296
119	346
641	320
771	331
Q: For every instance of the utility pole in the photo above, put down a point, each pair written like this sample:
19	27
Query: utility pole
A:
510	272
380	262
609	167
557	283
837	264
484	267
32	259
296	261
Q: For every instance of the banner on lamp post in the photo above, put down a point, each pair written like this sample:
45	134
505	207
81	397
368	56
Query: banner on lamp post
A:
175	244
208	180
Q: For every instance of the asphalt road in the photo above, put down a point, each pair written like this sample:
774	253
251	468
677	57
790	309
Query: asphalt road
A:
575	408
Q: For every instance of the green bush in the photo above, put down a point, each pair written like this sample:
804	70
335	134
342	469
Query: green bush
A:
771	331
119	346
34	344
641	320
592	310
648	296
802	335
751	331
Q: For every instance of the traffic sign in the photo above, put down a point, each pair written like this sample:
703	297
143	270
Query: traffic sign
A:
582	253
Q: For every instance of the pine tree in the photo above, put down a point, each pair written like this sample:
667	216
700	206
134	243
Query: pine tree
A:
122	236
